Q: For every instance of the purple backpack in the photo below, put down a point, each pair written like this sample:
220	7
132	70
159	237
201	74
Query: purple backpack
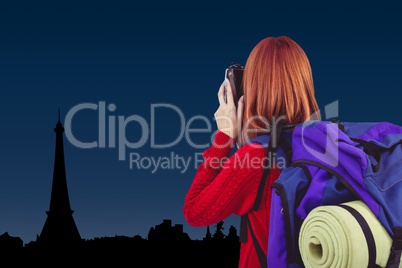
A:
329	163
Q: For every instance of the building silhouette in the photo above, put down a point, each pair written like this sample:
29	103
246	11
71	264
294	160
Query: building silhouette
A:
59	228
10	246
208	235
166	232
232	234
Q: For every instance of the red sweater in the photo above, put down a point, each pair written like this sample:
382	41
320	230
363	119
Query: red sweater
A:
223	186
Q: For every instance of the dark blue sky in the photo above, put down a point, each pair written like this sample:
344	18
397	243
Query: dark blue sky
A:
135	56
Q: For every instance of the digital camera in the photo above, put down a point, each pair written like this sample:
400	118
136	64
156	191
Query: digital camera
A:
234	73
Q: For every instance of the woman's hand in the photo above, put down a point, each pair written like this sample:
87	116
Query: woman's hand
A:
228	119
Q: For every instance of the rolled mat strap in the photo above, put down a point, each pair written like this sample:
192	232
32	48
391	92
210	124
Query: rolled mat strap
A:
367	234
396	251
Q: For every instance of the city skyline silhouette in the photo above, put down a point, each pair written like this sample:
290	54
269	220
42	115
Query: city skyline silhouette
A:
60	226
60	235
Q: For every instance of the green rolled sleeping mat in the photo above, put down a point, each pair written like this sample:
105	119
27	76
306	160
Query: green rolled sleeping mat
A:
330	236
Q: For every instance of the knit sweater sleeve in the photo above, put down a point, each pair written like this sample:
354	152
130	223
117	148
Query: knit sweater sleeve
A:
224	185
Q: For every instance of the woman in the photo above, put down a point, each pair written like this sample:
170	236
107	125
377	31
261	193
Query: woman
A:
277	83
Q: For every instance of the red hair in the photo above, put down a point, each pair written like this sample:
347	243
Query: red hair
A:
277	83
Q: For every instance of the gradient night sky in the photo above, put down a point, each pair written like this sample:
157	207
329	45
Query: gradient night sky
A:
133	56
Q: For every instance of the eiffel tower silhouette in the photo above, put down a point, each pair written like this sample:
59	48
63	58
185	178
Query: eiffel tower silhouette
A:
60	228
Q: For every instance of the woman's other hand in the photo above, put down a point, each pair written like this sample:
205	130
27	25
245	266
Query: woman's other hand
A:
228	119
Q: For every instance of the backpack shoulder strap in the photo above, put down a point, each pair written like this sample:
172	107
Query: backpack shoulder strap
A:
271	152
244	220
260	252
